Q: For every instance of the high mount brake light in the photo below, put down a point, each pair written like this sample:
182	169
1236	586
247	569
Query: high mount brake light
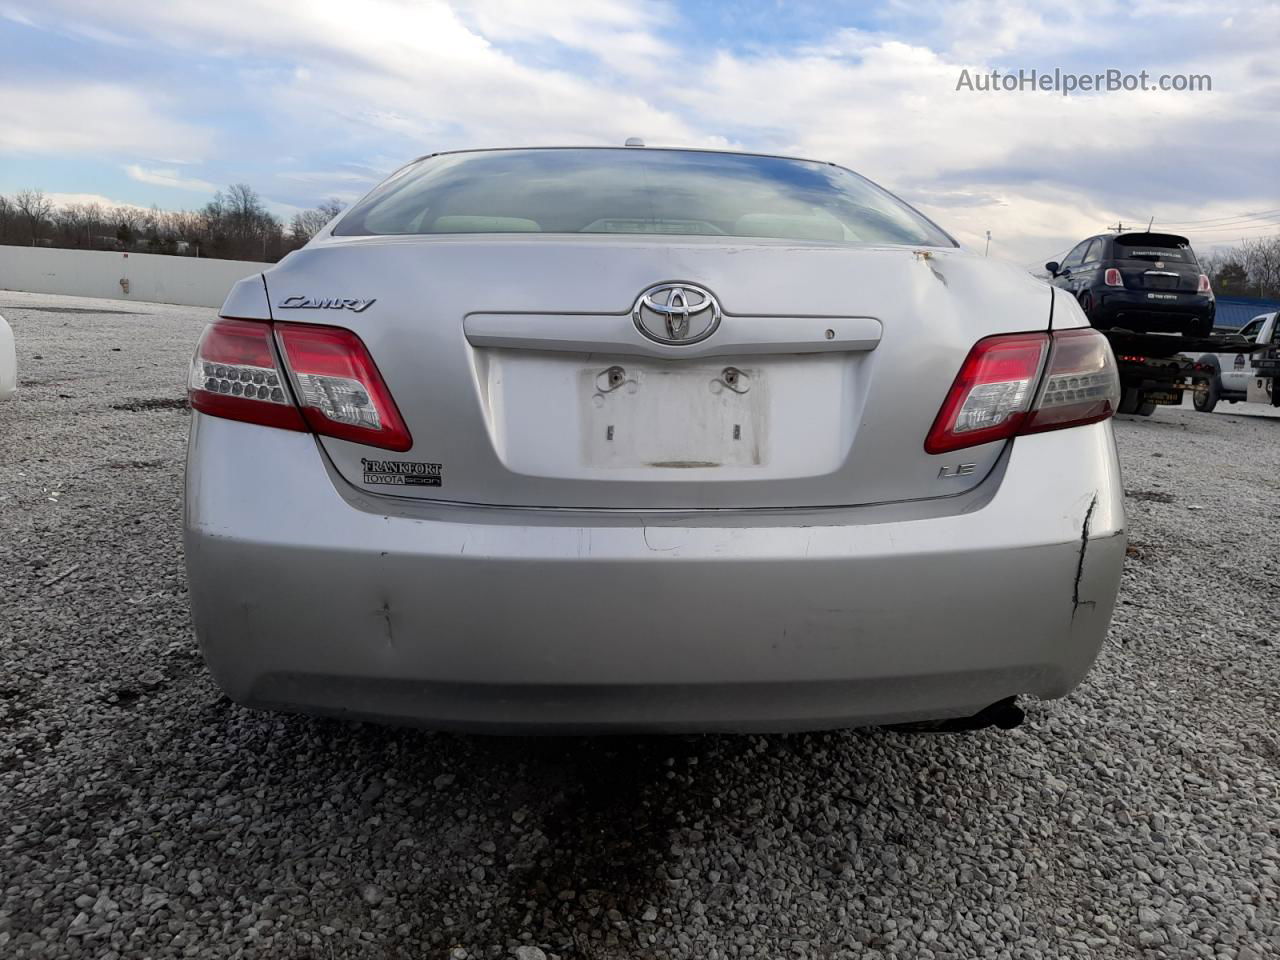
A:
237	374
1027	383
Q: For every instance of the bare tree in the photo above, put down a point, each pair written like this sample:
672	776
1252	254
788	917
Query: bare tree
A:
35	208
1260	258
75	221
237	224
124	223
1227	272
307	223
93	219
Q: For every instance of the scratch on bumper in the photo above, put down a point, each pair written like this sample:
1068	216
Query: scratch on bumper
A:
1084	549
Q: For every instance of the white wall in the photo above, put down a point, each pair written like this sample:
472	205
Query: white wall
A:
197	282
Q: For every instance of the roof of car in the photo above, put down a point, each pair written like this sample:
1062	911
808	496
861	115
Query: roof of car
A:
598	146
1139	236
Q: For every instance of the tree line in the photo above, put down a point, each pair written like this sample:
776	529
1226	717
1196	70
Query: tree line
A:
1251	269
234	225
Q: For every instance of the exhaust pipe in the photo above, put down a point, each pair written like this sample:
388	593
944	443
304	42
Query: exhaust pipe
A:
1003	714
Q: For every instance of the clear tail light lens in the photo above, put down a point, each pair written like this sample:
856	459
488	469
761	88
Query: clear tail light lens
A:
235	375
1081	384
1027	383
341	392
1112	278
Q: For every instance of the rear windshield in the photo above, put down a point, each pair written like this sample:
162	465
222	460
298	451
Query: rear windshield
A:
1153	246
637	190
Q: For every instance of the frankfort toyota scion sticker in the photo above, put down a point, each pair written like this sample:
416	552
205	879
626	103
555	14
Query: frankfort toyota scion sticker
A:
402	473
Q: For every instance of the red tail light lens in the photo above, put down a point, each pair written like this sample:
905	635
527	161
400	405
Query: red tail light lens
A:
1204	286
1112	278
341	392
235	374
991	394
1001	391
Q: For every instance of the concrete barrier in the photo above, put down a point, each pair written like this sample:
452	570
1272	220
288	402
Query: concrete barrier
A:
192	281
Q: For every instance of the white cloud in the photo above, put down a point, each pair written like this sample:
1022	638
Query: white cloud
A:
627	37
424	70
1037	169
92	118
168	178
284	211
8	13
68	199
330	176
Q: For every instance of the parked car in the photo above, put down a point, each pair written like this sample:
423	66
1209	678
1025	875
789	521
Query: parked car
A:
634	439
8	362
1143	282
1226	376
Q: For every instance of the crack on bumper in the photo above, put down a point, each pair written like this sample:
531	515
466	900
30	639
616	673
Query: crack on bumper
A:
1076	602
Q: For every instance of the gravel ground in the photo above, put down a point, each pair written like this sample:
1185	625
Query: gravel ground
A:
143	815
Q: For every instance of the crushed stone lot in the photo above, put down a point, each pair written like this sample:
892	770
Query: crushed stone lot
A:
142	814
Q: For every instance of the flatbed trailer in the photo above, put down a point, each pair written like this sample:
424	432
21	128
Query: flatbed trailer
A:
1155	370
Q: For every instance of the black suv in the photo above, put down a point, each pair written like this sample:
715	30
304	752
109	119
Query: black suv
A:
1144	282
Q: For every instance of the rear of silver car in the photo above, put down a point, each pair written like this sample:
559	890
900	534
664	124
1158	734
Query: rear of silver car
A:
484	475
8	362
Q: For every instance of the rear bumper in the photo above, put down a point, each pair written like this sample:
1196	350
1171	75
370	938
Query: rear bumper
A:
308	594
1134	310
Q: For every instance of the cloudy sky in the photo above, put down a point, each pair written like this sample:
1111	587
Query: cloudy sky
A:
163	101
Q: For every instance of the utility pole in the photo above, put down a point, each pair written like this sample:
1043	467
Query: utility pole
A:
1118	228
988	247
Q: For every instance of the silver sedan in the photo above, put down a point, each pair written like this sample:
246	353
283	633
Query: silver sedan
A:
635	439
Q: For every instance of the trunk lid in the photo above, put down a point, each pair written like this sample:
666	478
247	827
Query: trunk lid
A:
525	381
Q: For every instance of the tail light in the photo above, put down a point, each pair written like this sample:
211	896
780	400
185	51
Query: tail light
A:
1027	383
238	373
991	394
235	375
1082	384
340	390
1204	286
1112	278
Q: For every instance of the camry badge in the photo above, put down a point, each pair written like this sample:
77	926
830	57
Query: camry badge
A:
676	313
326	303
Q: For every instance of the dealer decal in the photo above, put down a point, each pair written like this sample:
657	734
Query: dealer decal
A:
402	473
